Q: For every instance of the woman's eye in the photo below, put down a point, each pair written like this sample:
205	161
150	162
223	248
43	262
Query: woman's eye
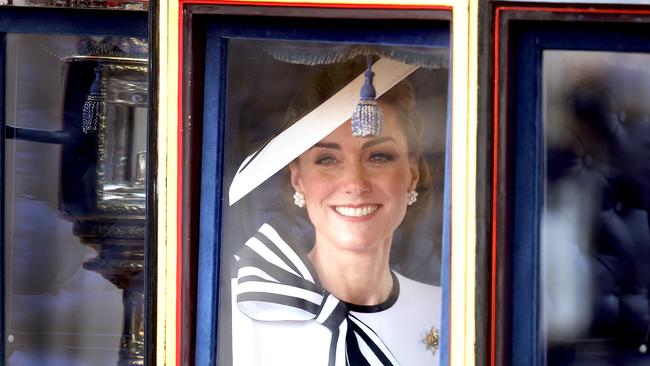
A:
379	157
325	160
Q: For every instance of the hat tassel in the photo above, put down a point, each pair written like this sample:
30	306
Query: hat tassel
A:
93	105
367	119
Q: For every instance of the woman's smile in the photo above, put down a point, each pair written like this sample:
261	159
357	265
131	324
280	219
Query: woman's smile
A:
356	211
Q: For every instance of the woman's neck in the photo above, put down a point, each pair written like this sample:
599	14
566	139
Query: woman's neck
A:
357	277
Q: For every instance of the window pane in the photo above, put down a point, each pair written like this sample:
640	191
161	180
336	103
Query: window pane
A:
595	233
75	159
355	219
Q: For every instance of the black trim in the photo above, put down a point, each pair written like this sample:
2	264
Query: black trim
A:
321	12
193	61
390	301
3	257
484	151
151	217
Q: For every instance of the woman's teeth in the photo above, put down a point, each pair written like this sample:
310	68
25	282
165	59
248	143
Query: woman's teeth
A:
356	211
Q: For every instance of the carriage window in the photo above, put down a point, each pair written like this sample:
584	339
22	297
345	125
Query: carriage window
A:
572	198
74	199
595	233
331	232
338	209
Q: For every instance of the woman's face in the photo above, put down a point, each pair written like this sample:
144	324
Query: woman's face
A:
355	188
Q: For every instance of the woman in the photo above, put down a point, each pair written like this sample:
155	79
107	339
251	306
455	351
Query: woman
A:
340	303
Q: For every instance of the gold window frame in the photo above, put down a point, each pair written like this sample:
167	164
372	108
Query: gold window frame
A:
169	16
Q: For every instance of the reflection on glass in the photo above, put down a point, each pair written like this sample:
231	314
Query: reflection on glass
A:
341	205
74	244
595	233
88	4
123	130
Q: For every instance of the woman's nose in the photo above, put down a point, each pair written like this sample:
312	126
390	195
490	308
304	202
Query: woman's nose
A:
355	179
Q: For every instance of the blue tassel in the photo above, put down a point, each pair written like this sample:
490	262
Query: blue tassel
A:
92	108
367	119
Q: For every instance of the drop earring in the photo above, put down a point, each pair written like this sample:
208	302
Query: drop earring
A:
299	199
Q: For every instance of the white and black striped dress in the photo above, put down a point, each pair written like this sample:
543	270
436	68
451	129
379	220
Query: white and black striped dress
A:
281	315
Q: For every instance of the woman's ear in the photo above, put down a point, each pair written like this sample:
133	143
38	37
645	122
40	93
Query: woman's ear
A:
414	167
296	179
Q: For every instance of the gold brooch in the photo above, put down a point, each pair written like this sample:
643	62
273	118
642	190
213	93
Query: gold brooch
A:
432	340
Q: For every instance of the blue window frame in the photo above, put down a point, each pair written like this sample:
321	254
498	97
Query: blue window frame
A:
221	32
534	166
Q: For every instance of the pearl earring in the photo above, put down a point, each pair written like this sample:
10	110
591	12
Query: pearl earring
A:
411	197
299	199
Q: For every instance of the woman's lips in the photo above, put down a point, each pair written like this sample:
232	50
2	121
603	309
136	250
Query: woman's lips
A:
356	211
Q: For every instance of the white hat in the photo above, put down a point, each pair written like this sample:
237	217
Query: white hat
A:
311	128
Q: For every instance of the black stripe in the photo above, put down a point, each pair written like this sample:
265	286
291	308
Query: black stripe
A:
369	342
337	316
254	278
274	248
251	278
282	276
295	302
250	258
289	238
332	353
355	357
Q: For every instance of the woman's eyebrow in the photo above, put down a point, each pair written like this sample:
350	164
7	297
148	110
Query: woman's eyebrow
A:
328	145
368	144
378	141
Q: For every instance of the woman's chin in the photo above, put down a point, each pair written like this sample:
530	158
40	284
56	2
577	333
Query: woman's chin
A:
359	240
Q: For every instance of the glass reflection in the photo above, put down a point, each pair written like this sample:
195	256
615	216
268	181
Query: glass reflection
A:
74	252
595	232
88	4
123	131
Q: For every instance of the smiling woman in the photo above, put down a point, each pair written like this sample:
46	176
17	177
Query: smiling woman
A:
357	187
356	196
326	282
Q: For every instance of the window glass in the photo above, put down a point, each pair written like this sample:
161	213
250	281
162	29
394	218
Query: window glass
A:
595	234
349	231
74	199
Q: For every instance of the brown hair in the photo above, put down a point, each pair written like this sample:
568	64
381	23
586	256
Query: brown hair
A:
402	98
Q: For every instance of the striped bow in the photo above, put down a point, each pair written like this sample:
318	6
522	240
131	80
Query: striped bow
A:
274	283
